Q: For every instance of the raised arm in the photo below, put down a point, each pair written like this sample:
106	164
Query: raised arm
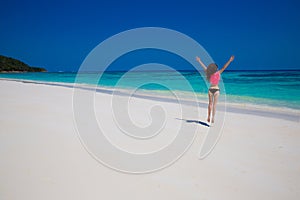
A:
201	63
226	64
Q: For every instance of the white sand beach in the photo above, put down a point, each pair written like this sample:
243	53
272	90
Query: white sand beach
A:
42	156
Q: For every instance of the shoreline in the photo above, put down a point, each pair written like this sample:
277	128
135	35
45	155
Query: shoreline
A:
242	108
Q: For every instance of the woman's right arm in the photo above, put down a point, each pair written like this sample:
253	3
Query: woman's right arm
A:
201	63
226	64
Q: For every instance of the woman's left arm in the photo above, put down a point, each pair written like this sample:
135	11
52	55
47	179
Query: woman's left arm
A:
201	63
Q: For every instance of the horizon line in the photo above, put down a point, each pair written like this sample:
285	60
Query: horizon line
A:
181	70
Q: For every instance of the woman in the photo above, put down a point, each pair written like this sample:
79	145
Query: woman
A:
213	76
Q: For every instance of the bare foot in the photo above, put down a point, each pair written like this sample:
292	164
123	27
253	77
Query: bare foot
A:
208	119
213	121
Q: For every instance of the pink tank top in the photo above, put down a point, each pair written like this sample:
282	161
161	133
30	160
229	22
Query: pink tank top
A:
215	78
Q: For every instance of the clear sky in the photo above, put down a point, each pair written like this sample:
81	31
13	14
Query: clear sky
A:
58	35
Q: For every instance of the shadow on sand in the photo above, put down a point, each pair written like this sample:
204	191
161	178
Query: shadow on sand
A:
194	121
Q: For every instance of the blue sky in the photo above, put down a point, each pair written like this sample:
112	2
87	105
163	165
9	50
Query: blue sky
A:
59	35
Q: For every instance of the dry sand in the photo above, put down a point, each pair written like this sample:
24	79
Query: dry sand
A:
42	157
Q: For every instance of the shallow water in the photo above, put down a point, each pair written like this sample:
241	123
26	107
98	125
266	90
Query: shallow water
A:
272	88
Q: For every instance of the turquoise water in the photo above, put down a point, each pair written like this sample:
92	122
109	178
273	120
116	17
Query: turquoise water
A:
275	88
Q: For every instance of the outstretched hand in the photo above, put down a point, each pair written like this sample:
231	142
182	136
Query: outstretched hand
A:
198	59
231	58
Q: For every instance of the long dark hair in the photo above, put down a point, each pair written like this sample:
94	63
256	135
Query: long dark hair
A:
211	69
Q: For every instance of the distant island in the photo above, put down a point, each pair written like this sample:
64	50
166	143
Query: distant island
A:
8	64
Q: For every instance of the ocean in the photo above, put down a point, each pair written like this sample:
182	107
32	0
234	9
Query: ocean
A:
269	88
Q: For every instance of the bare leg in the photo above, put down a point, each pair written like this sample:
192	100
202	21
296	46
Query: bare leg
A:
216	96
210	105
